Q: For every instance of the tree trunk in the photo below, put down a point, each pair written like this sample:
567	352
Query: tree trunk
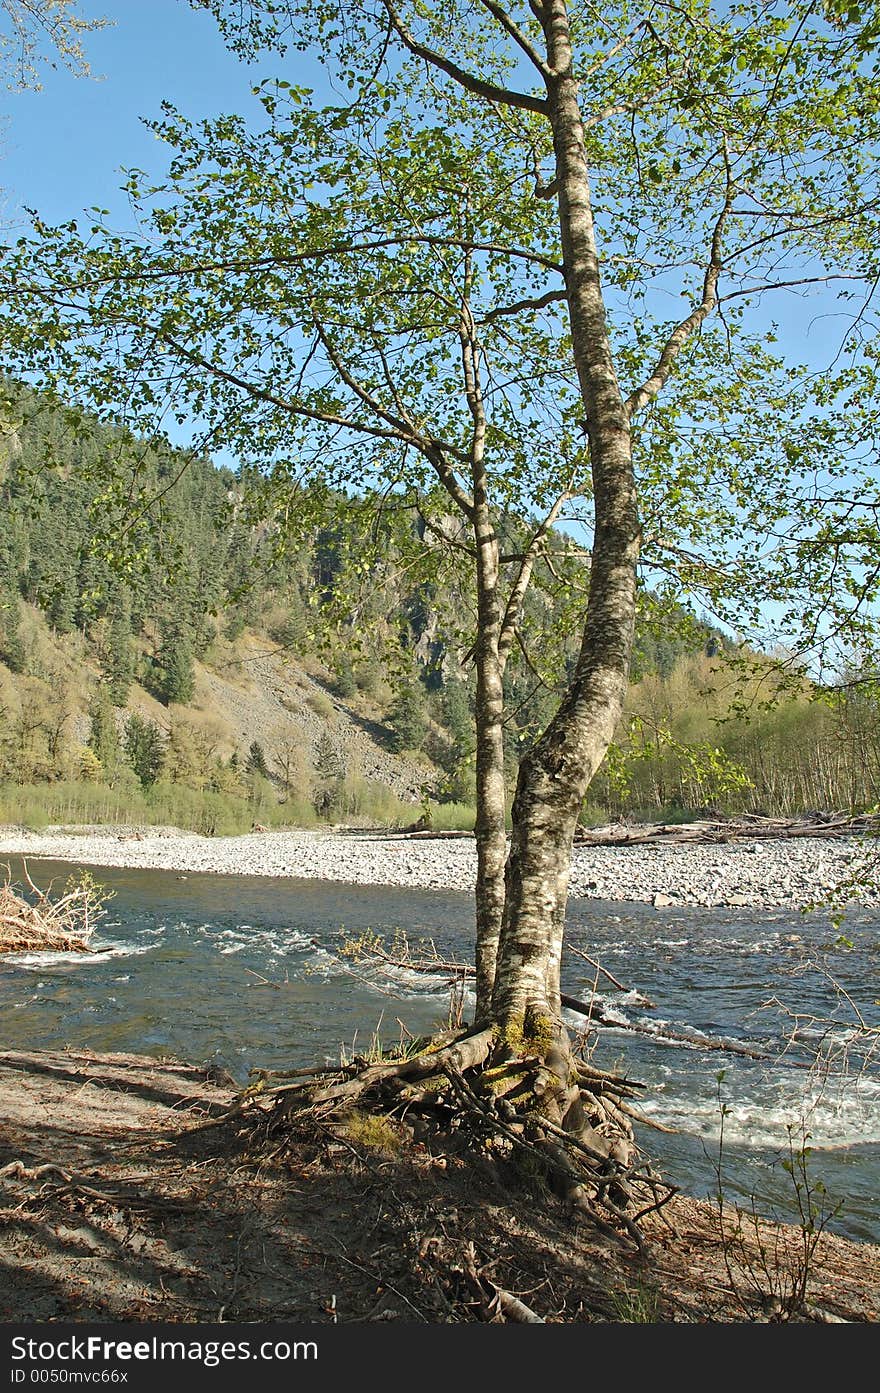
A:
490	831
555	775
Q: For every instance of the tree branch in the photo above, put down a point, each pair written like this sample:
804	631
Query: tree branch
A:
683	331
470	363
612	52
513	608
522	40
265	263
788	285
625	108
536	303
402	424
481	88
444	536
432	449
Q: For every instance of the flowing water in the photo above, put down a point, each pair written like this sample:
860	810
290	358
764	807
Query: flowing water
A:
247	972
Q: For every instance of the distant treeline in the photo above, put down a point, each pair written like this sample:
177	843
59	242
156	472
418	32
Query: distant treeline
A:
704	736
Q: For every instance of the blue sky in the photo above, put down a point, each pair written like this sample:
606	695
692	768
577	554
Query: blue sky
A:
61	148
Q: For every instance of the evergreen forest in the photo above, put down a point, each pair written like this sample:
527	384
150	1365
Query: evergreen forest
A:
128	570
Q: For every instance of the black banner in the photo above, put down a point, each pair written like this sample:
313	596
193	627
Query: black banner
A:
258	1357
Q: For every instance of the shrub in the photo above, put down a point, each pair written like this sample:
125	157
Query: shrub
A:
321	705
453	817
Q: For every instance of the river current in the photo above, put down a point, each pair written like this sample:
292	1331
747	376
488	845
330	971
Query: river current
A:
248	972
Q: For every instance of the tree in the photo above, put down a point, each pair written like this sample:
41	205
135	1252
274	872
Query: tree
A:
408	718
718	121
256	760
119	662
144	748
11	646
403	288
103	738
175	680
291	765
454	289
35	32
459	722
343	677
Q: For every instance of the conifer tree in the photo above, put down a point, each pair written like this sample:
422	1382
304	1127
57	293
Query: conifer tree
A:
119	665
408	718
256	760
11	646
103	738
176	678
144	748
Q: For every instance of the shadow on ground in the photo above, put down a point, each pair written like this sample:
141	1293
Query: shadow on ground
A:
127	1193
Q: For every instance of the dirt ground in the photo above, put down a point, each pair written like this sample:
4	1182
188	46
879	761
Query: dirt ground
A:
126	1195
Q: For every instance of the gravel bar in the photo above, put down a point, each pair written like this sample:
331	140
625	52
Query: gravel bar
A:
764	873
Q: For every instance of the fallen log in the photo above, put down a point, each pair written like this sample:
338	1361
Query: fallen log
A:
747	826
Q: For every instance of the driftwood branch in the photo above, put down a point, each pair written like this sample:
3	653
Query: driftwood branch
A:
749	826
592	1009
43	924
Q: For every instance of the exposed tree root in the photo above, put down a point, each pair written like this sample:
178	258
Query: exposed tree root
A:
549	1120
496	1303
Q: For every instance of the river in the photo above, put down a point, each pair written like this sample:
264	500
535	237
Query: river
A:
248	972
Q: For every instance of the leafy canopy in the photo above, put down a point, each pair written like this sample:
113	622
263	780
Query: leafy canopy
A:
294	294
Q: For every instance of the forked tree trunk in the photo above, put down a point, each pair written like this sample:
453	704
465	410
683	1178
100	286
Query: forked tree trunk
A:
556	774
553	780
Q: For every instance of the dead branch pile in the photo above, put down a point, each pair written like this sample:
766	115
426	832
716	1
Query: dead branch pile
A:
748	826
43	924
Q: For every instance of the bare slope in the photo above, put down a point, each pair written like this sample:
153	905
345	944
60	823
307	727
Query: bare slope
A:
266	695
250	691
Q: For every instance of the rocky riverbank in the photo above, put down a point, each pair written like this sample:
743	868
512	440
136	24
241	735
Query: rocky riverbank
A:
760	873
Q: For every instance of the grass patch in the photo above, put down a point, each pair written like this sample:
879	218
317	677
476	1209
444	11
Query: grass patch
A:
636	1305
37	806
321	705
453	817
356	800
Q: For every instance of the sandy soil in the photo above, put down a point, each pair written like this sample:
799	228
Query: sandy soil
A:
127	1195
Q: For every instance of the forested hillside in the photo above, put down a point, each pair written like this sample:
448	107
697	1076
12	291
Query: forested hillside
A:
171	653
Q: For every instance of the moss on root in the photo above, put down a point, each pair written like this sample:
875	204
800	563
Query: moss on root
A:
528	1036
